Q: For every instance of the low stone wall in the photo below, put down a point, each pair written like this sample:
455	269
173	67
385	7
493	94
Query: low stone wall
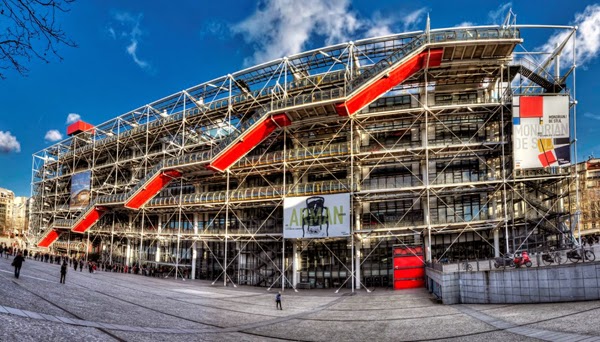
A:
444	286
571	282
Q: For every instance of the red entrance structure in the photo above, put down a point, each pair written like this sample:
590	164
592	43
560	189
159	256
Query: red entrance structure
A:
409	267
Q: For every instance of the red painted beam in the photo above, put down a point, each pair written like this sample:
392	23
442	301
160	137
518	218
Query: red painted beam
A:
89	219
248	141
428	58
154	186
281	119
51	236
79	127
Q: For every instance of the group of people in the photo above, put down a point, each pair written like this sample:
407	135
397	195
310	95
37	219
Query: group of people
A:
590	239
7	251
65	261
62	260
92	266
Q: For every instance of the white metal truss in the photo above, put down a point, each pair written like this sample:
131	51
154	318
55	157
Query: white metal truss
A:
429	160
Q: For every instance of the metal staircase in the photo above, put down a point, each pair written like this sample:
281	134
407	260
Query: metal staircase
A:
370	84
48	238
533	74
148	187
388	73
250	135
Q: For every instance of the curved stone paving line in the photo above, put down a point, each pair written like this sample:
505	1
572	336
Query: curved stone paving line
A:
544	335
83	323
119	327
343	303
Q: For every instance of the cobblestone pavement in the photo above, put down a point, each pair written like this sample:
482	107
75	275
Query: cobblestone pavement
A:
124	307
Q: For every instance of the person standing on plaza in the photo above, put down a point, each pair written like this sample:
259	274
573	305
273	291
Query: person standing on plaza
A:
278	301
17	263
63	272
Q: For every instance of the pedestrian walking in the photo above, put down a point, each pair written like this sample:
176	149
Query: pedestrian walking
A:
17	263
278	301
63	272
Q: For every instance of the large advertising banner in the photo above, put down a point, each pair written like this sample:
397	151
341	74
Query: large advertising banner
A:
316	216
541	135
80	189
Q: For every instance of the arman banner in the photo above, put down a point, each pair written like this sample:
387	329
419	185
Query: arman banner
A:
541	133
316	216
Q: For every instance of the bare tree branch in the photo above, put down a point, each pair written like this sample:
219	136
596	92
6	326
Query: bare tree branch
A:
30	32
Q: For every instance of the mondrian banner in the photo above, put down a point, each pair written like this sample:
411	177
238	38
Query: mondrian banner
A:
541	135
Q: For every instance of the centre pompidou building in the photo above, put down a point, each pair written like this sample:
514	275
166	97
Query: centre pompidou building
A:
309	169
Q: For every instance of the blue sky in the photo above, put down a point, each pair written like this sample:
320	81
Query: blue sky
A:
134	52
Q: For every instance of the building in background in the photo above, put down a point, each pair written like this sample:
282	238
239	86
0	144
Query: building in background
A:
20	216
589	194
7	198
308	170
29	207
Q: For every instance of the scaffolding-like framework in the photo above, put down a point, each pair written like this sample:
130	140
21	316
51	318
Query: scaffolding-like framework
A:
416	127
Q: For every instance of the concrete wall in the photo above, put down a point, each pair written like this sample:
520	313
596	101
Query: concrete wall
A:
445	286
559	283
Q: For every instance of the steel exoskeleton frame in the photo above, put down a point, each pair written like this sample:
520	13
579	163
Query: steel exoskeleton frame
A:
429	161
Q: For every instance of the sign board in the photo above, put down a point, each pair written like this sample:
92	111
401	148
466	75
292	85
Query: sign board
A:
541	134
316	216
80	189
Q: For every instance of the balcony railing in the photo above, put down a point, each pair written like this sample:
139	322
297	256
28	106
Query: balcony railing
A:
258	193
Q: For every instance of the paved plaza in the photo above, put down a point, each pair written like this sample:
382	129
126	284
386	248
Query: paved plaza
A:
125	307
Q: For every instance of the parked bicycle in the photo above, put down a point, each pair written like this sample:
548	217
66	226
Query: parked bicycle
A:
553	257
465	266
580	253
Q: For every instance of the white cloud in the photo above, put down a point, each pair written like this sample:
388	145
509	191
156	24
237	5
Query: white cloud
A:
73	117
8	143
379	26
412	19
588	38
465	24
592	116
497	16
53	135
130	30
112	33
494	17
132	51
377	31
214	29
283	27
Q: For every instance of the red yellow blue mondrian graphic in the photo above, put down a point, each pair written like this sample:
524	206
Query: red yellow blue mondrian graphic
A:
541	124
